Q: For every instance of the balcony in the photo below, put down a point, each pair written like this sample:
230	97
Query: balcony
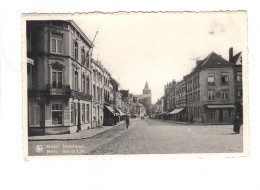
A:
80	95
58	90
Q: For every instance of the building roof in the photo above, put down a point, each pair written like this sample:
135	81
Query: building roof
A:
235	58
81	32
211	61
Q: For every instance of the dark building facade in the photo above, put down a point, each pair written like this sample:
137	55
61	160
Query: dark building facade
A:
59	84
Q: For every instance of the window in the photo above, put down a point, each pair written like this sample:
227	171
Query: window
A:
56	114
83	56
56	78
94	92
87	112
211	79
83	84
239	76
76	50
76	80
56	43
101	93
239	93
87	60
224	78
83	113
194	97
87	86
211	95
98	96
224	95
212	114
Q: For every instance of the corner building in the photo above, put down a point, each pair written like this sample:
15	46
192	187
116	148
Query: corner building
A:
210	91
59	81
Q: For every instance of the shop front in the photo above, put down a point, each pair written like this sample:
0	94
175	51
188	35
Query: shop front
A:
58	110
219	114
109	115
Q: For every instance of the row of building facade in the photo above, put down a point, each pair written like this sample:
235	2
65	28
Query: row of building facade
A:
210	93
68	90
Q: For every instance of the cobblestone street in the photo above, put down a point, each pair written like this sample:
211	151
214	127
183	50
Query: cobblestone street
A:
150	137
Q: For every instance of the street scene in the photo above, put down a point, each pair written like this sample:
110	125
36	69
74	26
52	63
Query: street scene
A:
147	136
135	84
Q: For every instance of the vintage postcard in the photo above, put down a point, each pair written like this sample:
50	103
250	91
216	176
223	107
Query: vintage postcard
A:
150	84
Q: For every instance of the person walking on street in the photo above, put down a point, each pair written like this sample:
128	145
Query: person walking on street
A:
127	121
237	124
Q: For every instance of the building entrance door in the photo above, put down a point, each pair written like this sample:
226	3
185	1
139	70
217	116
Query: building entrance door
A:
220	115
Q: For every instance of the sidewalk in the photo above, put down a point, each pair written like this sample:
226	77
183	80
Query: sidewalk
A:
74	136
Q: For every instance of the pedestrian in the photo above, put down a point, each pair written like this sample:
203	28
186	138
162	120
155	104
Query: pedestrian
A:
127	121
237	124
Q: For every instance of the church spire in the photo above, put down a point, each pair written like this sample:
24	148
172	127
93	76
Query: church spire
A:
146	85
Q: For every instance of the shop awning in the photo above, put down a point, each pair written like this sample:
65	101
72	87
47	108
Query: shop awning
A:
221	106
120	112
110	109
30	61
175	111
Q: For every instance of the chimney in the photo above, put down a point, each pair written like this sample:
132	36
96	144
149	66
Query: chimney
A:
230	54
198	62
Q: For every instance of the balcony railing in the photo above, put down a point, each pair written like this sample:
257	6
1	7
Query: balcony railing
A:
80	95
58	90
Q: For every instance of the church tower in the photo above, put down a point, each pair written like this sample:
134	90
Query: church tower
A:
146	89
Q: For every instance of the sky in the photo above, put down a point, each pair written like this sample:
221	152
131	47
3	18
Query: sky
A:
160	47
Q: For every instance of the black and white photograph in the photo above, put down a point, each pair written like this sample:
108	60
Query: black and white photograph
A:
129	95
135	84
